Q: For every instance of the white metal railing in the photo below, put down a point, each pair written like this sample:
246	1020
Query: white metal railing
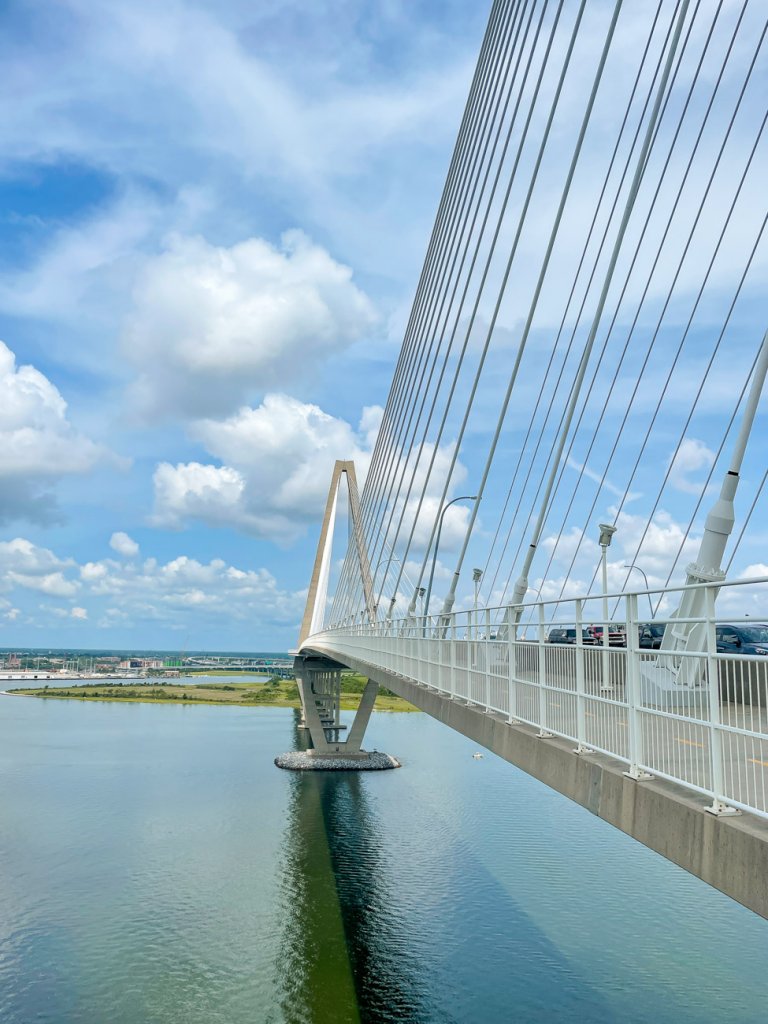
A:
697	716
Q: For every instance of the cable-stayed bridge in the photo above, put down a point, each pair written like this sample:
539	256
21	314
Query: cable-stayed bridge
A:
559	545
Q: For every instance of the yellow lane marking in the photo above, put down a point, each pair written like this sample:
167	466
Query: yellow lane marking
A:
689	743
755	761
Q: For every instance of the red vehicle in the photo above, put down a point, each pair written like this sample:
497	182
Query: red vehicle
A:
617	636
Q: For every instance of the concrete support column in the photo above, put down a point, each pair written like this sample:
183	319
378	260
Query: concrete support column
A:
319	683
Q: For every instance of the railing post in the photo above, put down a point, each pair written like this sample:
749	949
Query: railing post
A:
542	734
424	672
404	646
633	695
487	659
605	656
429	632
512	664
418	647
581	710
719	807
442	660
453	656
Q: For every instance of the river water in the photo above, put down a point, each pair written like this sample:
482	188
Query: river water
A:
155	867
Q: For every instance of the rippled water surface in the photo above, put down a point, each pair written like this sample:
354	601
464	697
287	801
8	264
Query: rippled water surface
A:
156	867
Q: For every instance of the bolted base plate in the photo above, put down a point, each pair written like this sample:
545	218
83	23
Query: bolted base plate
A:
722	810
309	761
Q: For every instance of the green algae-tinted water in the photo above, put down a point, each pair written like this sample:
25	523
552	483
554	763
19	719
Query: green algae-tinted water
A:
155	867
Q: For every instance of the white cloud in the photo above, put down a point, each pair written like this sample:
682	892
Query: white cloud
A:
754	571
279	459
25	565
92	571
664	537
176	593
289	447
37	442
238	93
7	611
22	556
455	521
52	583
211	323
123	544
749	599
212	494
691	457
420	497
186	587
571	541
35	436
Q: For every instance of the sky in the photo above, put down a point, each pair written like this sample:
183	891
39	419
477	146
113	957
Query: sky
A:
214	216
676	320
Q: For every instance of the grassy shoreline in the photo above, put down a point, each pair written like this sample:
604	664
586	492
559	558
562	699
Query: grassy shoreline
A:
274	693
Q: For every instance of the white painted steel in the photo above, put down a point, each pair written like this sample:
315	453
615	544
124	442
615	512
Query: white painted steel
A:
711	737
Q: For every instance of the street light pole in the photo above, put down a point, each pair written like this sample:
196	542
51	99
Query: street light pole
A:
462	497
647	587
606	534
381	561
389	559
477	575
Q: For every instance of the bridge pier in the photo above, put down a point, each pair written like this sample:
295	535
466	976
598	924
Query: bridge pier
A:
319	682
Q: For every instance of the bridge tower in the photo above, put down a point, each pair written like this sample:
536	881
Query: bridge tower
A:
319	677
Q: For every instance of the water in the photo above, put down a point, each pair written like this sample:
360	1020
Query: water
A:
156	867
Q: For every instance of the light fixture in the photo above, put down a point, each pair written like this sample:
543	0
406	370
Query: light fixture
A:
606	532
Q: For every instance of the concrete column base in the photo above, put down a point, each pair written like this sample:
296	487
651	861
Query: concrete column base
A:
312	761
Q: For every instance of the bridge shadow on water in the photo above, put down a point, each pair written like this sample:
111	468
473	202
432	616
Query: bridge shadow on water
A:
371	937
340	959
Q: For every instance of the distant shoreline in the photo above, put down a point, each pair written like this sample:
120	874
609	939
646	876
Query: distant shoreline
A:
276	693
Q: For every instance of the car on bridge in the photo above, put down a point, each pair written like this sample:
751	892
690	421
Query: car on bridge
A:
565	635
651	634
751	639
743	681
617	635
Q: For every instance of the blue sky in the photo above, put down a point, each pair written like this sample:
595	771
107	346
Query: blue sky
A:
214	220
181	188
684	315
